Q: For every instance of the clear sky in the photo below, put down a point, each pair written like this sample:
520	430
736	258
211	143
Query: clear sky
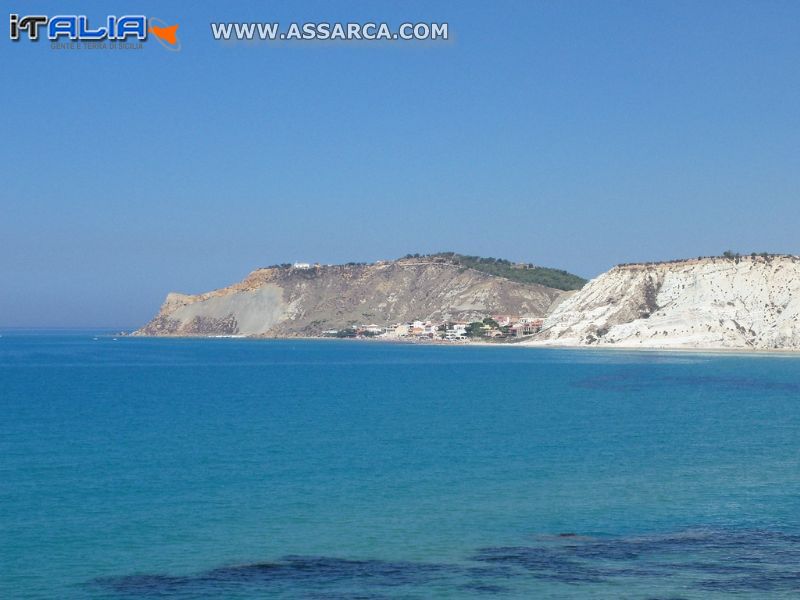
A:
569	134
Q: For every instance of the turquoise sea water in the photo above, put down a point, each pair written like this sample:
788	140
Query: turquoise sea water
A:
142	468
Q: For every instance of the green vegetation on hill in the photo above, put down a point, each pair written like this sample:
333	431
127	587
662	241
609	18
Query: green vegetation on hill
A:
727	255
520	272
499	267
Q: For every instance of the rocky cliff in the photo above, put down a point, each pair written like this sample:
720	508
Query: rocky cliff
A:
738	303
287	301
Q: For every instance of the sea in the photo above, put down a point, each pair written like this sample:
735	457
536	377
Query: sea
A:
232	468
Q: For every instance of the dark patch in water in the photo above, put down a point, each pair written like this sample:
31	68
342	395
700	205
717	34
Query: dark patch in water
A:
145	585
290	572
627	382
737	560
331	569
754	561
772	582
485	588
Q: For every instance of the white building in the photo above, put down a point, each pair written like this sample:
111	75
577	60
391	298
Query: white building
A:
402	329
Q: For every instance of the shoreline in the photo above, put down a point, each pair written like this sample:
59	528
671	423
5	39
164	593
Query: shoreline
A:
788	352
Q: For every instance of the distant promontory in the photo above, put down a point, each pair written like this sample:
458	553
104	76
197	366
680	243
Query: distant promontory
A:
749	302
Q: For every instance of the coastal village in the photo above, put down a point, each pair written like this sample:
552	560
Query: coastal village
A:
490	328
444	297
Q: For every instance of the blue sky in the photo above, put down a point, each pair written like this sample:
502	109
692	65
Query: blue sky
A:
570	134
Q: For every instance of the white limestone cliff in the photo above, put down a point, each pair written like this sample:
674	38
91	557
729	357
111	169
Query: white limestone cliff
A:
711	303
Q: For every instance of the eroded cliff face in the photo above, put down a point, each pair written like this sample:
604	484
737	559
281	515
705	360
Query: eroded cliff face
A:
714	303
295	301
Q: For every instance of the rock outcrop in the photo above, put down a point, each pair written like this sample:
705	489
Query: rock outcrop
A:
291	301
750	302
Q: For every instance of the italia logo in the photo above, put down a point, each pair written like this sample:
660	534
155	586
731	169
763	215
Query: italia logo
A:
78	28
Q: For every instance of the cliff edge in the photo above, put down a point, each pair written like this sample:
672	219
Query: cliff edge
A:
305	300
749	302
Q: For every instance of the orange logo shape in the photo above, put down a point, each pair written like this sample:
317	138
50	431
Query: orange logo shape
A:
166	35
